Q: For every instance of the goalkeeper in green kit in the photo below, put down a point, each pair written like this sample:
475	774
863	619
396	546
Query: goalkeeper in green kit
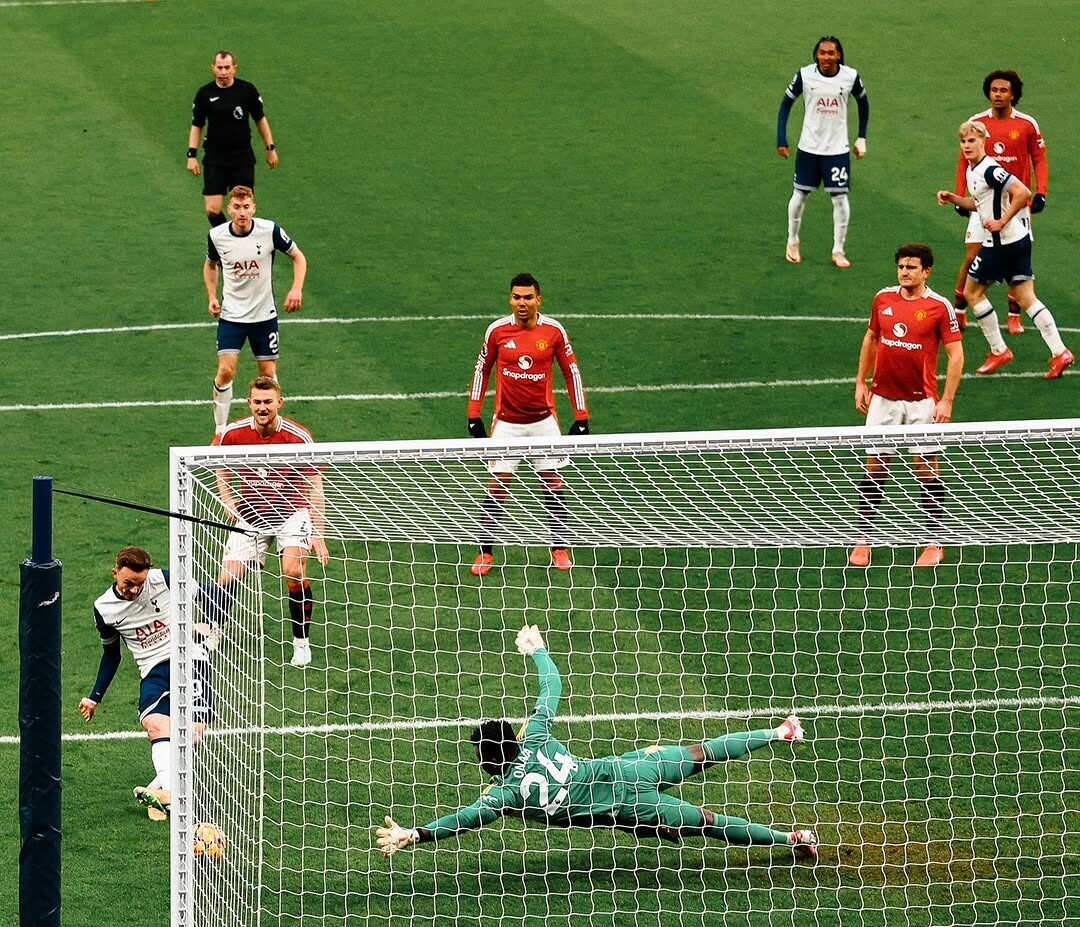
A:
537	778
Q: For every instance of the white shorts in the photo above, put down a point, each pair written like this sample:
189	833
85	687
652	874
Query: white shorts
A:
545	428
884	411
976	234
296	531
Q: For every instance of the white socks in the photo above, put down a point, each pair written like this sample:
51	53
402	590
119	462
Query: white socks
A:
988	321
160	754
841	216
795	208
223	396
1044	322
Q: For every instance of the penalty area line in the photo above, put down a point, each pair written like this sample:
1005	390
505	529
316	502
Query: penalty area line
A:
777	711
461	394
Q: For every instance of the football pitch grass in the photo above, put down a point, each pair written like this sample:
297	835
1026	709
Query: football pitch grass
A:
623	153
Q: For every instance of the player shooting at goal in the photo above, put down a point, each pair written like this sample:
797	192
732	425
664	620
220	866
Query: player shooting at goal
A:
537	778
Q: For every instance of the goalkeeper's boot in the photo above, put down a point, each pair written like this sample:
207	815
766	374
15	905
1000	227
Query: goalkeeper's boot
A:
994	362
156	801
791	730
791	253
1059	363
804	843
841	260
860	556
482	565
560	558
931	556
301	652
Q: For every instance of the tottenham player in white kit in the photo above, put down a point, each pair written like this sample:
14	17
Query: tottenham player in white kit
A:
822	157
1002	201
135	609
241	252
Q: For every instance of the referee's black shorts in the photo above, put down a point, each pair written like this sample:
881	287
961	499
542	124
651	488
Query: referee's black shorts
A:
221	175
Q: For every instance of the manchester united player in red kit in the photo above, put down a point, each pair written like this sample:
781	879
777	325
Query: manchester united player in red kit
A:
280	503
900	351
522	349
1015	142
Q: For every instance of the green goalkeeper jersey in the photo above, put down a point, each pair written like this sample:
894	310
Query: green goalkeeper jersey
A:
546	782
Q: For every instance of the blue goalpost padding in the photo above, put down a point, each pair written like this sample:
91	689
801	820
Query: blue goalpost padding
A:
39	721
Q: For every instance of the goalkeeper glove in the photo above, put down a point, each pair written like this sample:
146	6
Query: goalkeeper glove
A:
580	427
529	640
1038	202
960	211
860	148
394	837
476	428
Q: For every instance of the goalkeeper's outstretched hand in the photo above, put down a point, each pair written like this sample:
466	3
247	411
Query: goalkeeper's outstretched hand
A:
580	427
394	837
476	428
529	640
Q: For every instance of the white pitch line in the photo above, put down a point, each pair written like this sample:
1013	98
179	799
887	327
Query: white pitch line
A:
462	394
805	711
484	317
26	3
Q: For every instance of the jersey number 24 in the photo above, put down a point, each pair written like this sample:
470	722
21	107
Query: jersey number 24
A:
559	770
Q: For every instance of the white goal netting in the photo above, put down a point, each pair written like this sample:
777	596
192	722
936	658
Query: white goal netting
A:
710	593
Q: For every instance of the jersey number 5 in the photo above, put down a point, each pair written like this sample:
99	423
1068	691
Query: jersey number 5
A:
559	770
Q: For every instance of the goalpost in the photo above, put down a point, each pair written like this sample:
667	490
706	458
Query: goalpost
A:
710	593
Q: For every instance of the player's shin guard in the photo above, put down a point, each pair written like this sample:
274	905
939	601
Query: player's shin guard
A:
558	515
871	492
161	756
841	216
795	208
1044	322
300	609
733	746
933	503
988	321
223	396
490	516
216	602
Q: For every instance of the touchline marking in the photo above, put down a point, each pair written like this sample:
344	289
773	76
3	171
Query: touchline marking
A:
462	394
805	711
484	317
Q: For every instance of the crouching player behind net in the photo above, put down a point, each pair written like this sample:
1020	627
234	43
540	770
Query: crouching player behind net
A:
539	779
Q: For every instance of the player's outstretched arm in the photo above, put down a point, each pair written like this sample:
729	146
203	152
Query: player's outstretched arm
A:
530	643
393	837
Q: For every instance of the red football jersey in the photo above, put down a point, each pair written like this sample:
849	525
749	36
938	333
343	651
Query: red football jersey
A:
1016	144
269	495
909	332
523	359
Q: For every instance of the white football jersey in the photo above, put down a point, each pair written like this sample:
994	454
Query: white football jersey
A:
143	624
825	128
988	184
247	292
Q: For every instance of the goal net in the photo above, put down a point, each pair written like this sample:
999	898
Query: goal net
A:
710	594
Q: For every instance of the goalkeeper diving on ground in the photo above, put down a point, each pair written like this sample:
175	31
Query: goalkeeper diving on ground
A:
537	778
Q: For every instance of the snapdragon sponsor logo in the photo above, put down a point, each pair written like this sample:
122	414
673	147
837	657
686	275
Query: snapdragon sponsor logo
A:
520	375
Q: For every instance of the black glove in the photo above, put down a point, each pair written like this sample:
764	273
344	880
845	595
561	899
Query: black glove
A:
960	211
1038	202
476	428
580	427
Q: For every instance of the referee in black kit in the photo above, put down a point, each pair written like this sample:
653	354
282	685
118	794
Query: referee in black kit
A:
224	106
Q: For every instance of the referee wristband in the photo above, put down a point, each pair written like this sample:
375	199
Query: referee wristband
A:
271	147
193	152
